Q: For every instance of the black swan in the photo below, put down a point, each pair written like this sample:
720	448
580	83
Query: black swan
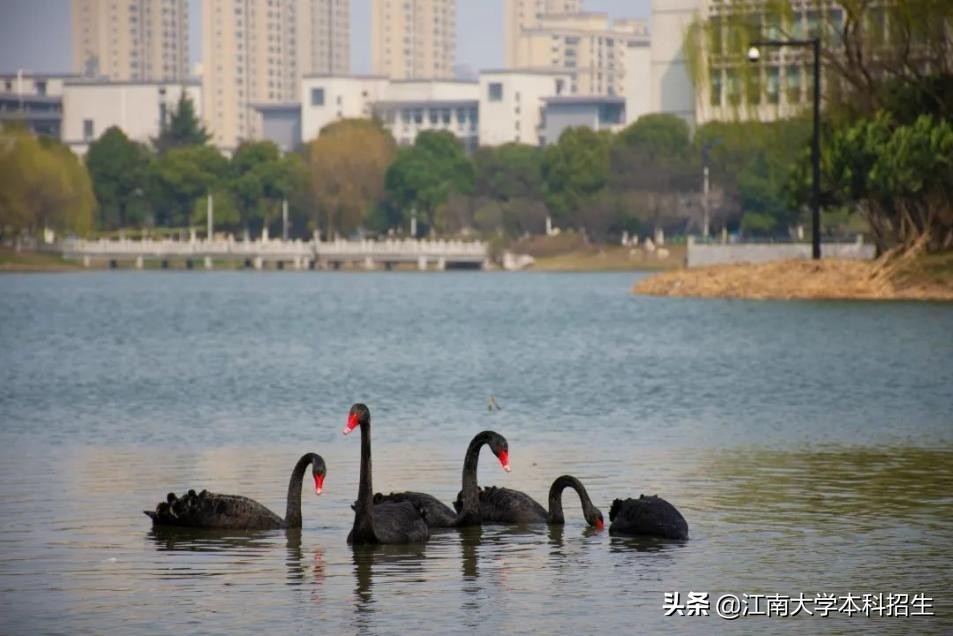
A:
647	516
502	505
397	522
439	515
211	510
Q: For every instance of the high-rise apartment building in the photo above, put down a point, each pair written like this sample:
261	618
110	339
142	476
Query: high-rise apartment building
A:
131	40
413	39
730	87
590	47
525	14
257	51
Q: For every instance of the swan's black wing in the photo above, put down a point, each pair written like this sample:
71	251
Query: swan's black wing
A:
435	512
502	505
212	510
649	516
399	522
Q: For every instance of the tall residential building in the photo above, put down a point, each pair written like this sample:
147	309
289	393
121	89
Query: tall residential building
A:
414	39
257	51
524	14
131	40
589	46
779	86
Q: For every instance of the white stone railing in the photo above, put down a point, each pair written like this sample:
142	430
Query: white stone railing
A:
390	250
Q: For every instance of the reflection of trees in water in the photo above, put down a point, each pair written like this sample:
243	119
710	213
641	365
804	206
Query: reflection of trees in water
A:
822	489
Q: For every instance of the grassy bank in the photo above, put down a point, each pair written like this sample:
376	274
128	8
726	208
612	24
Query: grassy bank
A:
26	261
926	277
569	252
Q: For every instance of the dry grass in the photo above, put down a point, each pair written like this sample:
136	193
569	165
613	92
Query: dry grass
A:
922	278
568	252
27	261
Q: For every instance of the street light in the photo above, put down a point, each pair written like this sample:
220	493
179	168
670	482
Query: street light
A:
754	55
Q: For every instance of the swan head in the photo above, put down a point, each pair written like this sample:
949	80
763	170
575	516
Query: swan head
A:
501	449
319	471
594	518
359	414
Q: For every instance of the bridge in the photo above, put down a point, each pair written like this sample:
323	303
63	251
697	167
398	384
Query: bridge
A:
424	254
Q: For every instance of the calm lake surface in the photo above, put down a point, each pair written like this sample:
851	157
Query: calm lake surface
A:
809	445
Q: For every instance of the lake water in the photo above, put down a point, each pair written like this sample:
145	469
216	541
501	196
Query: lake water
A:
809	445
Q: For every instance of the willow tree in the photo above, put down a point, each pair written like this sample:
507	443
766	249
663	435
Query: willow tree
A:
43	185
868	49
885	64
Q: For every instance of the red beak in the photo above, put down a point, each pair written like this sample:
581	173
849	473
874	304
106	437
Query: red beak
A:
351	423
600	524
318	484
505	460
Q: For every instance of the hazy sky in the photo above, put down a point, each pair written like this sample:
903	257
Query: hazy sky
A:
35	34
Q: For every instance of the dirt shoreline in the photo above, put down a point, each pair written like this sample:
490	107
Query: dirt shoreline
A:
928	278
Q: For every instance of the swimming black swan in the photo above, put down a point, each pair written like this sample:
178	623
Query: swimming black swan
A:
648	516
439	515
388	522
211	510
502	505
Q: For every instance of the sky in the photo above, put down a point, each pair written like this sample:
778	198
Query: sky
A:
35	34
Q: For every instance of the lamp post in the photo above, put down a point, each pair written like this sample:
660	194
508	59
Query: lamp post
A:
754	55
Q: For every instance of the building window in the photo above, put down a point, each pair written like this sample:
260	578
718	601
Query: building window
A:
496	92
317	97
794	84
88	131
40	88
716	88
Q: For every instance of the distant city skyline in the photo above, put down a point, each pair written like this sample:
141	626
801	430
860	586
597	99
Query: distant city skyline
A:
35	34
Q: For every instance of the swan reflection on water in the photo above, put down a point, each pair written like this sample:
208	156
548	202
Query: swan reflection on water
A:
371	560
297	564
649	544
172	538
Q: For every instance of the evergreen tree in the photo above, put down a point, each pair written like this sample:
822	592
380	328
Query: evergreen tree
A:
182	128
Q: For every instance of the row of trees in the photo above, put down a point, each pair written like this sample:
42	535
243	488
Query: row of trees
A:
164	185
353	177
648	175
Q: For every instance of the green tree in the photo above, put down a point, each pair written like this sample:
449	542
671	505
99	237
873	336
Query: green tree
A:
183	127
119	170
179	177
259	179
575	169
752	163
507	172
345	167
42	185
657	137
899	176
424	176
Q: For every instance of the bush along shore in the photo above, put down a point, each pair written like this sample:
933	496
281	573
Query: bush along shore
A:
892	277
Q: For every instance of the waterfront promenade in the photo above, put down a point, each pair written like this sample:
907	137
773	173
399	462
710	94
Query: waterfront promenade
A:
279	254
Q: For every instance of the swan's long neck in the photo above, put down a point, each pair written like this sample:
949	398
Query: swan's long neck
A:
293	509
556	495
364	510
470	512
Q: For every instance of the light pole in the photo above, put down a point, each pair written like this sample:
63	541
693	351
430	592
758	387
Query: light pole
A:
754	55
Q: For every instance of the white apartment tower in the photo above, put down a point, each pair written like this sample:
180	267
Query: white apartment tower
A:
132	40
257	51
589	46
413	39
524	14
